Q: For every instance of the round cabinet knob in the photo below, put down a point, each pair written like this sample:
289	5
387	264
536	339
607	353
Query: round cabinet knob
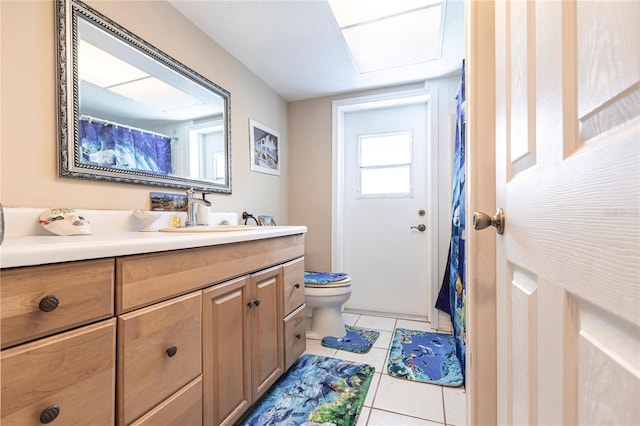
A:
172	351
298	336
297	285
48	303
49	414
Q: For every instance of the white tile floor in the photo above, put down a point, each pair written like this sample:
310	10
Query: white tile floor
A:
390	400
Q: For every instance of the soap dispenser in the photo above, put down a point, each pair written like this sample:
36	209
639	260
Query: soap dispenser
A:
203	212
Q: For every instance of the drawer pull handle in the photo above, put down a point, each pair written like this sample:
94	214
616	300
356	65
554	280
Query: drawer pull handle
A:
297	285
49	414
172	351
48	303
298	336
253	303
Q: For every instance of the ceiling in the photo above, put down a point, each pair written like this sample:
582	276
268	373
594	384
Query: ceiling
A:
295	46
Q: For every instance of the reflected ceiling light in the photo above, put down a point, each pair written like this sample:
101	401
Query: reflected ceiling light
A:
156	93
383	34
93	62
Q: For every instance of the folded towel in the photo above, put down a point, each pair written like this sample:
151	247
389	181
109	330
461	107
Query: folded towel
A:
323	277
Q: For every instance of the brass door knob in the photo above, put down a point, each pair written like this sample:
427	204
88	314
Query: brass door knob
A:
483	220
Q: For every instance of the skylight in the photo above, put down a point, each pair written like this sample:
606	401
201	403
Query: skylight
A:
383	34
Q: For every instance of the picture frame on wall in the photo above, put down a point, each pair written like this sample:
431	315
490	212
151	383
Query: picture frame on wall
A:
265	148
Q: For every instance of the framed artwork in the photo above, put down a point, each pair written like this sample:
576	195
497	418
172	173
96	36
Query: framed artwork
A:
265	220
265	148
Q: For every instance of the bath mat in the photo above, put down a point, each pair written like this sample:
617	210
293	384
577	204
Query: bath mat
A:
425	357
357	340
311	277
315	390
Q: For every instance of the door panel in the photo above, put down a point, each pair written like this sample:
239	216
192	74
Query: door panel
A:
567	173
386	259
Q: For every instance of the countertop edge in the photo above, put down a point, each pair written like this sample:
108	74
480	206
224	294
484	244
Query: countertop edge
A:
38	250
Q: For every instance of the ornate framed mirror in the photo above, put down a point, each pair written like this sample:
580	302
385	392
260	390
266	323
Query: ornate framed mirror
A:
127	112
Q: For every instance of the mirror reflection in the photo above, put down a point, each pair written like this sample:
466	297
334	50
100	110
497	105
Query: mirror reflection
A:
138	115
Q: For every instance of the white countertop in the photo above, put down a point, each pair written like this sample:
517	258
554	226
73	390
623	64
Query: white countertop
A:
39	249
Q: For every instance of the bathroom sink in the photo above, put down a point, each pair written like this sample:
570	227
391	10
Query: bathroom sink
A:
216	228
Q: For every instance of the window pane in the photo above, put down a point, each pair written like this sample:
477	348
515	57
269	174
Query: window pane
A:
388	180
388	149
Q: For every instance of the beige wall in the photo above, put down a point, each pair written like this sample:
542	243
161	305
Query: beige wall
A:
310	133
28	158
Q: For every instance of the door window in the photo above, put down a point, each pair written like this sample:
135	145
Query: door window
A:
385	164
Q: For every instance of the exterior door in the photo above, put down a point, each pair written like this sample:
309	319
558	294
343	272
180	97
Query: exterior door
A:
568	177
385	187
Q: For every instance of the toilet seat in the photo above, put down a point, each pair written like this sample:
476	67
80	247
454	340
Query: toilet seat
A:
335	284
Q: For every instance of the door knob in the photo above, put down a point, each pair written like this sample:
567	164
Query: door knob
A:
483	220
420	227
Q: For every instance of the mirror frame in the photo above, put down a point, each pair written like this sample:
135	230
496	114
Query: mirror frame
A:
67	14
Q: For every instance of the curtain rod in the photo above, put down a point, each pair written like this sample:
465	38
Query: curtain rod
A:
107	122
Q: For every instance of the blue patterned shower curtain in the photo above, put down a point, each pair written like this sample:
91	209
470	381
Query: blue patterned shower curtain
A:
452	295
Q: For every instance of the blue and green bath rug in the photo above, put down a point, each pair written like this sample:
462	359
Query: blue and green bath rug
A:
358	340
425	357
315	390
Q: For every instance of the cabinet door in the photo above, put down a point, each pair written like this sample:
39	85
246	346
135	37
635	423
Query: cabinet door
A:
68	378
265	311
226	352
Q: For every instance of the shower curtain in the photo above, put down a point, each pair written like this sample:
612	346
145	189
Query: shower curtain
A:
452	295
118	146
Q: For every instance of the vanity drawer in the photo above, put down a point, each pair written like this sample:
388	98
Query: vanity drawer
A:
294	336
74	370
83	291
293	284
145	279
184	408
148	369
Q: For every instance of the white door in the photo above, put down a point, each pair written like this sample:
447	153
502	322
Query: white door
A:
385	190
568	177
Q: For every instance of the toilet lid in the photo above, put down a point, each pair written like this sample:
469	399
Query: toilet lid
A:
312	277
341	283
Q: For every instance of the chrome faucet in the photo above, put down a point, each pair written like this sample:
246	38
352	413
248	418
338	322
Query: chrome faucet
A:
192	209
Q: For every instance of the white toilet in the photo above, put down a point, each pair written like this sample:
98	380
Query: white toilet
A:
324	303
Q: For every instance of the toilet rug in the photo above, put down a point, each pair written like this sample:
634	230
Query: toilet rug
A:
358	340
425	357
315	390
311	277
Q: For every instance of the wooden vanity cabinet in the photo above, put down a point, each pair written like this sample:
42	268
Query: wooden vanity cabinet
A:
184	337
